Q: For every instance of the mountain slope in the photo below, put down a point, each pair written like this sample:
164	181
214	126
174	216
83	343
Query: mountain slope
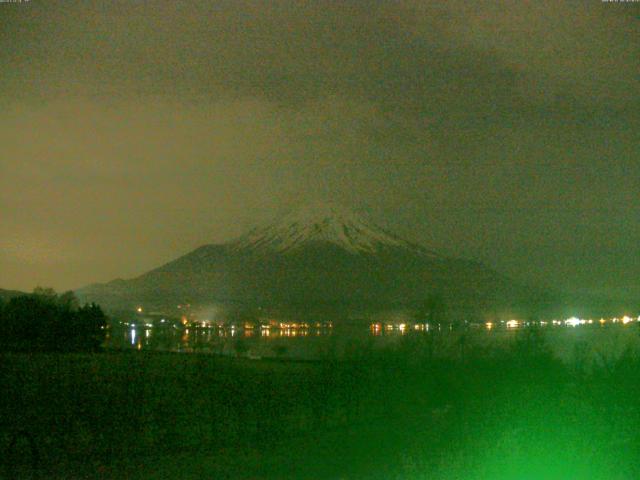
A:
315	258
7	295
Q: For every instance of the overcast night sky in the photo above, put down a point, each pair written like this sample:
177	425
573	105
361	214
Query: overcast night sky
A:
133	132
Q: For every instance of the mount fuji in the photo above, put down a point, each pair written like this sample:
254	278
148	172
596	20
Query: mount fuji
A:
317	258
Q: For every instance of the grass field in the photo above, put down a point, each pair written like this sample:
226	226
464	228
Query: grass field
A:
399	413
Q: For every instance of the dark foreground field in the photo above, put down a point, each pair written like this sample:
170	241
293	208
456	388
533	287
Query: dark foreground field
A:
516	413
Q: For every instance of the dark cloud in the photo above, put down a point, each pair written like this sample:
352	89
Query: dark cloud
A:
135	131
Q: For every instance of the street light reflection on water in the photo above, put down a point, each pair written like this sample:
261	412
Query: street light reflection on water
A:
302	338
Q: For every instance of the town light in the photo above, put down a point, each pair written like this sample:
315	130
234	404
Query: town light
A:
574	322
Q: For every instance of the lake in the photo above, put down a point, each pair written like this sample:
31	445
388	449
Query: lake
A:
582	343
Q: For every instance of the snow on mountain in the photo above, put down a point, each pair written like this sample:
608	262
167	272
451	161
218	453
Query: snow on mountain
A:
322	223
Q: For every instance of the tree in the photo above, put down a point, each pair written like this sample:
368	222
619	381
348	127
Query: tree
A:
68	300
46	321
91	323
45	294
531	344
27	318
433	309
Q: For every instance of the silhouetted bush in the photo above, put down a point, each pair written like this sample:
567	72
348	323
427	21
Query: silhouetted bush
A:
45	321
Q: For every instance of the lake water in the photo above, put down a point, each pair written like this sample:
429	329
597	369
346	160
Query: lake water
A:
583	343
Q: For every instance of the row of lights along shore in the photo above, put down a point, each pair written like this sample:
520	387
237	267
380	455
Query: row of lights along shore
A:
379	327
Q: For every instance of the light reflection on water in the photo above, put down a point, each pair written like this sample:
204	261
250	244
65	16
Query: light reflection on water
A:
311	343
225	341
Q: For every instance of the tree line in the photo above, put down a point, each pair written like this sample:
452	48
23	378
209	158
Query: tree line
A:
47	321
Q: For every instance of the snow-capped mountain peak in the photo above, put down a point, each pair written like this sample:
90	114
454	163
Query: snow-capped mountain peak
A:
321	223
